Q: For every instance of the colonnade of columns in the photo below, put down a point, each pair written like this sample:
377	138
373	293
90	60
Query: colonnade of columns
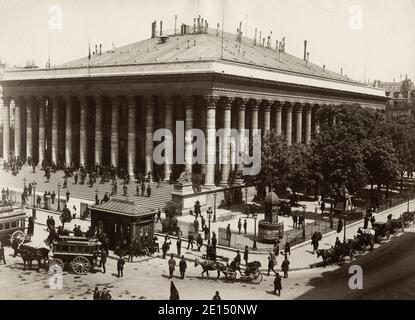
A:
89	127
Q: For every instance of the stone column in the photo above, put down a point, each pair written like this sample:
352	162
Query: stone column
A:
210	140
18	127
307	124
169	111
98	129
316	122
267	116
68	130
29	128
188	126
288	123
42	132
115	112
150	103
241	128
55	143
83	135
6	128
299	123
132	112
278	118
227	104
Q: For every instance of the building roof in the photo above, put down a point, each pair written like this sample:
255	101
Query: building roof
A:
124	207
199	53
203	47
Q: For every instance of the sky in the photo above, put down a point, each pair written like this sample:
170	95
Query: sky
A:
368	39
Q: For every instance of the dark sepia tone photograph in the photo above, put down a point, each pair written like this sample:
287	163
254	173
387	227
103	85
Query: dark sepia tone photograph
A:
207	150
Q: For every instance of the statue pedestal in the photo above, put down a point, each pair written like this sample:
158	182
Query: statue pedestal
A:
181	192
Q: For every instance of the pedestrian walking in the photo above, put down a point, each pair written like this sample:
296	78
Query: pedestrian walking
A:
190	241
322	207
314	243
172	265
214	239
97	294
179	246
285	266
125	190
337	243
203	222
76	178
287	248
245	226
196	225
182	267
158	215
246	253
295	219
206	231
239	226
164	249
174	294
106	295
271	265
120	267
216	296
148	191
277	284
276	248
2	255
199	242
103	260
67	195
228	232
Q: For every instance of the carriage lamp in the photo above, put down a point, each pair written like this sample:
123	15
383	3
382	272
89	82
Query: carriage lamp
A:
209	214
215	195
59	197
255	215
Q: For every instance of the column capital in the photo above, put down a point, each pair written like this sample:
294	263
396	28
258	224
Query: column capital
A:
266	105
168	100
83	100
6	100
131	99
226	102
307	108
211	101
253	104
188	100
20	100
149	100
241	103
288	106
299	107
277	105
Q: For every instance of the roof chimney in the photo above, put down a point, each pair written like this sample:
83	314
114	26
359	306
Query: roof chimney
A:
240	31
308	56
194	25
96	49
161	28
198	23
188	44
175	23
341	71
256	30
324	67
206	26
153	29
263	42
100	48
260	37
283	44
305	49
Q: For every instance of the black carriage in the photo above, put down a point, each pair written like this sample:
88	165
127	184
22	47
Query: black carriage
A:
382	231
79	253
407	218
251	273
365	238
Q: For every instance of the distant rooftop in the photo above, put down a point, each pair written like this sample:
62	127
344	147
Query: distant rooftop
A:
123	206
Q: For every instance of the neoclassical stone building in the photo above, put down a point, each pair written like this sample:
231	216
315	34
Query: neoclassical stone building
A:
105	107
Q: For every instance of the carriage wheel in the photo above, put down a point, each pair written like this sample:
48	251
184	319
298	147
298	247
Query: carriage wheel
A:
80	265
256	277
54	264
351	254
18	236
230	275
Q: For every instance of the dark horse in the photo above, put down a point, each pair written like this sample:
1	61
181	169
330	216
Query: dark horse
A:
29	254
209	265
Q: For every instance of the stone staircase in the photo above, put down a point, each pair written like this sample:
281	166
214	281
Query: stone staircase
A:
159	196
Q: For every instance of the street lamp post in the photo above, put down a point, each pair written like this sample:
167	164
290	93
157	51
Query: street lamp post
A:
59	197
344	226
214	206
255	218
209	214
96	196
34	183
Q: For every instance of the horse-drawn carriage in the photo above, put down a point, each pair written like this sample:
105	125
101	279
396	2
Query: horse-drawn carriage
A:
13	224
80	253
385	229
407	218
250	274
337	254
365	238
